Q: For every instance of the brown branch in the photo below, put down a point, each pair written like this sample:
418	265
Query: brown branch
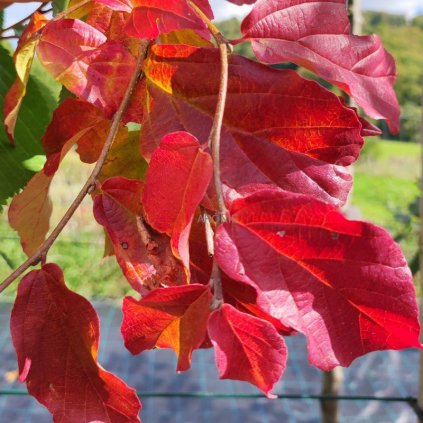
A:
41	253
214	142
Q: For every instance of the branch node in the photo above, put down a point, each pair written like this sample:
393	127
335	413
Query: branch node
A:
91	188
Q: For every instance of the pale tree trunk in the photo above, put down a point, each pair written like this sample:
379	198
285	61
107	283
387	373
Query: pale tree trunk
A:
356	16
333	380
331	385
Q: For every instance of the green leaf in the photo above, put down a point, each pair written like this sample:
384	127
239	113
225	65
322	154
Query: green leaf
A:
17	164
59	6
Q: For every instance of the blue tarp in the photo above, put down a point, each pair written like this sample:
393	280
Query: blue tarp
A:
389	373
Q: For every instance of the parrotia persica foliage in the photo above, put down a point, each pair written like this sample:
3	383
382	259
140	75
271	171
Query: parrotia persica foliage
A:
286	261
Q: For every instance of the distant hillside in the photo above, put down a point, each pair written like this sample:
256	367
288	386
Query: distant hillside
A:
404	40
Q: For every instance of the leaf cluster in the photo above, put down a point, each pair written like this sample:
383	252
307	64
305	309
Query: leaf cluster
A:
219	183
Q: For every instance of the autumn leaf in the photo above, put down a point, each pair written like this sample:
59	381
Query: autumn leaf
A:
91	67
150	18
144	255
133	167
56	333
317	35
286	131
185	36
23	58
30	211
81	122
174	317
247	348
244	298
177	180
112	24
344	284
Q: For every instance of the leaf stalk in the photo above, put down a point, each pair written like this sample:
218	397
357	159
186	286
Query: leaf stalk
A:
214	143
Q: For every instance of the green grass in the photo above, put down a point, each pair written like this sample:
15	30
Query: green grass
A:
385	184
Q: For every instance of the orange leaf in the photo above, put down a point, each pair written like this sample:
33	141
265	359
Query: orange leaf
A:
174	317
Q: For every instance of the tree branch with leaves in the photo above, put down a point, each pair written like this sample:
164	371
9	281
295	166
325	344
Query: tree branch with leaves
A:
223	209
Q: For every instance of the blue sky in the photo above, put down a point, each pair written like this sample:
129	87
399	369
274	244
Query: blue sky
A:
224	9
406	7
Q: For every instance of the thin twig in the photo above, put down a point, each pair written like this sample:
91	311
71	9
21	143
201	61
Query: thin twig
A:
214	142
40	254
9	37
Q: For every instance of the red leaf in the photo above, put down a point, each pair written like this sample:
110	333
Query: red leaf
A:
80	58
56	333
317	36
112	24
79	122
244	298
23	58
286	131
150	18
174	317
177	180
144	256
247	348
344	284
